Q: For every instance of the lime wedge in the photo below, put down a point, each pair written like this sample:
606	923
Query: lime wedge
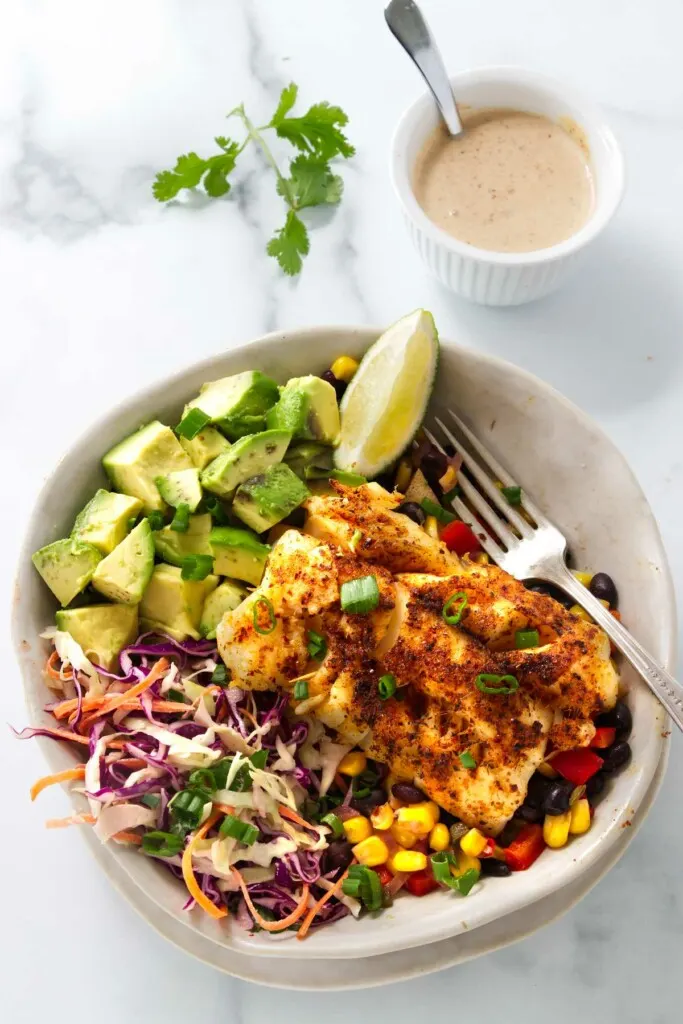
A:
386	401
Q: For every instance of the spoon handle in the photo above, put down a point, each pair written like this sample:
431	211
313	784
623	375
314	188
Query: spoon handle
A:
407	23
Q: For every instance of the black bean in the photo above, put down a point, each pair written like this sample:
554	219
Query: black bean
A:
616	756
380	770
557	798
434	464
537	790
338	855
529	814
338	385
595	785
413	511
386	480
620	718
602	586
495	868
407	793
365	804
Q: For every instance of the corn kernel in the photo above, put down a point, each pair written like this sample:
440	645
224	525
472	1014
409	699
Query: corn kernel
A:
439	838
556	829
417	819
431	527
604	603
435	809
407	860
403	475
583	577
344	368
357	829
580	820
353	764
372	852
480	557
450	478
382	817
464	863
580	612
473	842
403	836
546	768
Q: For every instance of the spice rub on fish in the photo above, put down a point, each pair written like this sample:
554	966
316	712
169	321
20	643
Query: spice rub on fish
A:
438	711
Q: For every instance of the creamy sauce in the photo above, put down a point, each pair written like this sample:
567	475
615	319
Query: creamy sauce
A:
513	182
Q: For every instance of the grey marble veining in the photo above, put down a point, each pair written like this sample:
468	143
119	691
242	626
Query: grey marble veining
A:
103	289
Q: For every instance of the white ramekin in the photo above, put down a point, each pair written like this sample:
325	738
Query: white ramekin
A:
497	278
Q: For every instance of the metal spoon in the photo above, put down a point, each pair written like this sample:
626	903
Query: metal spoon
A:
406	21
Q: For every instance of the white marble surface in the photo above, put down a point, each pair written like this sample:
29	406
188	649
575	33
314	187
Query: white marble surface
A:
102	288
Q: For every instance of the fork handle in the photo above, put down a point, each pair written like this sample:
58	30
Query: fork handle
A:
666	689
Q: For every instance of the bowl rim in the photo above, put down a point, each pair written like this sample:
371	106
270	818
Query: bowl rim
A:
607	203
448	922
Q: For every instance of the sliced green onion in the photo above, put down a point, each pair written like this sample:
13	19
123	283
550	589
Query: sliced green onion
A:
513	495
196	567
355	540
387	686
181	519
526	638
162	844
360	596
187	807
454	493
250	835
466	760
174	694
216	510
150	800
156	520
203	778
441	868
371	890
351	887
191	424
452	619
436	510
487	683
335	823
466	881
317	645
263	601
301	689
242	831
350	479
219	674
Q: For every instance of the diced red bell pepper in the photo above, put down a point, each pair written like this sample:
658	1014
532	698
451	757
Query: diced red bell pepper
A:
458	537
419	883
577	766
385	875
490	848
525	849
605	736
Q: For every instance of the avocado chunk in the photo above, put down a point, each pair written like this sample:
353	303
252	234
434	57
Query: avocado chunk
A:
67	567
104	520
172	546
238	553
264	500
123	575
310	460
181	487
135	463
102	630
246	458
308	409
205	446
238	405
225	598
174	605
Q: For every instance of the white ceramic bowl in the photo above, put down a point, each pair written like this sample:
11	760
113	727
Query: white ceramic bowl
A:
576	474
492	278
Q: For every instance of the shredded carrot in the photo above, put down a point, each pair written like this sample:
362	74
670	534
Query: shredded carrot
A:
51	780
188	873
73	819
247	714
56	673
128	762
317	907
110	702
224	809
128	837
273	926
167	707
296	818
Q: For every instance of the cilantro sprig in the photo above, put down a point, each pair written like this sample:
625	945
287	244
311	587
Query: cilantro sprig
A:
310	181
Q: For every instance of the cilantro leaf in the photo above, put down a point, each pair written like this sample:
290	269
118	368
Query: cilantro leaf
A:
311	183
318	131
289	244
215	181
187	173
286	102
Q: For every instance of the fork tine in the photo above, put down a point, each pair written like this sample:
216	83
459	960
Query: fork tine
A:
485	482
501	473
490	546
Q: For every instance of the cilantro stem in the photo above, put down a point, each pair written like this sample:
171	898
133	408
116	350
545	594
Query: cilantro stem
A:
255	135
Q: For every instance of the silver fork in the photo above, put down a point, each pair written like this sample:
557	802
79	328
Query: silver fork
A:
538	551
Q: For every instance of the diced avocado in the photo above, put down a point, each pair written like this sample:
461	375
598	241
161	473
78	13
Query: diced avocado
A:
238	405
310	460
238	553
67	567
205	446
224	599
172	546
151	626
102	630
308	410
181	487
247	457
123	575
135	463
104	520
264	500
173	603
